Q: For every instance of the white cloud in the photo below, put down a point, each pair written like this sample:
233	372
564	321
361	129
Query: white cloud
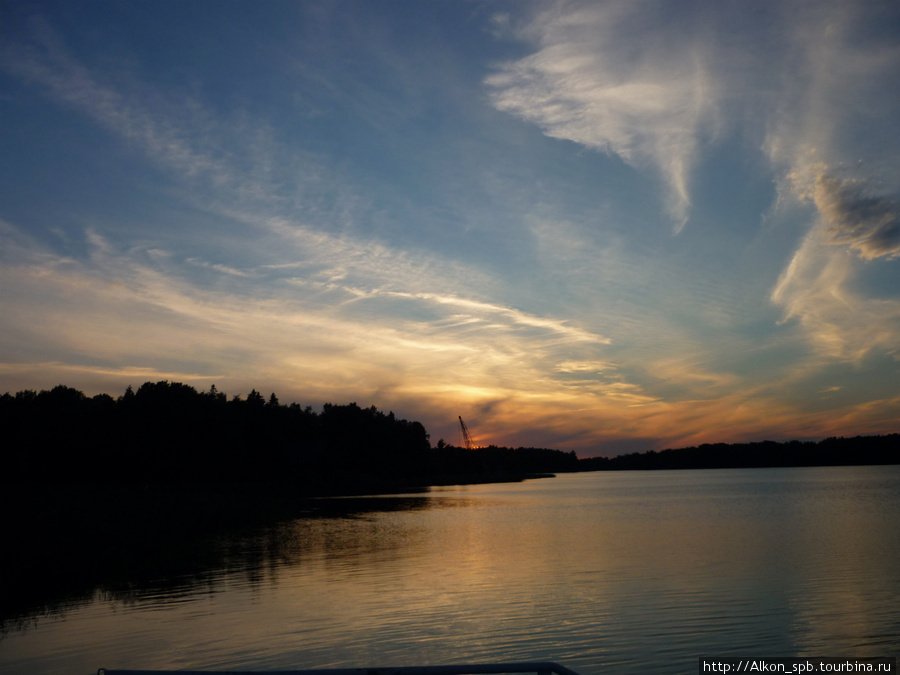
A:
599	79
817	290
123	313
843	92
316	309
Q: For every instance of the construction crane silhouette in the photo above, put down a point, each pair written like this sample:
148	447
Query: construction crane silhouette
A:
464	430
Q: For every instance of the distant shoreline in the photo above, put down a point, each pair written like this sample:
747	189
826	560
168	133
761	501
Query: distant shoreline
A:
855	451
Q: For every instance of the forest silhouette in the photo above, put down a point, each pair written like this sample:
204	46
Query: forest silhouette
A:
168	433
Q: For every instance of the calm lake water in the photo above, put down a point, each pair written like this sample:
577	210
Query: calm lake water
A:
619	572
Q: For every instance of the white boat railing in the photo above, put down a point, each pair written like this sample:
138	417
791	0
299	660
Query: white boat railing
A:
538	667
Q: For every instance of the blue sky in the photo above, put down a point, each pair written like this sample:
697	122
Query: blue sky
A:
600	226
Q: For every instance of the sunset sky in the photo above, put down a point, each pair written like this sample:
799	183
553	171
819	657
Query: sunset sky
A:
602	226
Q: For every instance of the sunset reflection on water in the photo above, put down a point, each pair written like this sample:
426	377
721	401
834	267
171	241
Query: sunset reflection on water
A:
618	571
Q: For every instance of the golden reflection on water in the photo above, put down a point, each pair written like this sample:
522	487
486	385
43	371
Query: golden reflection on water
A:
621	572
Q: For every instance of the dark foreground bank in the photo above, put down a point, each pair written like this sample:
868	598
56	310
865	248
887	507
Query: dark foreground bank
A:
168	433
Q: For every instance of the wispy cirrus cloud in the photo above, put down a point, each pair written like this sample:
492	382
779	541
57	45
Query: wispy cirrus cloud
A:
236	160
855	216
596	79
845	72
44	60
817	289
133	311
315	306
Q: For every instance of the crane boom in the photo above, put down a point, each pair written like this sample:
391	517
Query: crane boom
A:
467	439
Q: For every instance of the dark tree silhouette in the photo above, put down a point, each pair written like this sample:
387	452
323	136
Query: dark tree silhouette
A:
168	433
860	450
